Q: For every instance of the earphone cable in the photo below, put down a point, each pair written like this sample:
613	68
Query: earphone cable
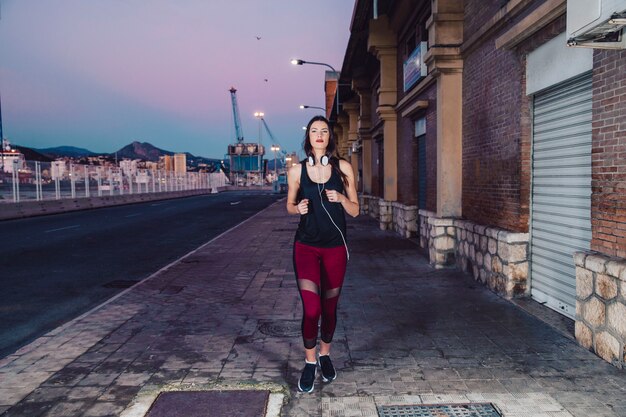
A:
329	216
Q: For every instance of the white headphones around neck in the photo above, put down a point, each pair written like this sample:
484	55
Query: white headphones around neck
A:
324	161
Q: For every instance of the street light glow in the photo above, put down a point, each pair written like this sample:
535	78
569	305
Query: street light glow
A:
304	106
259	114
301	62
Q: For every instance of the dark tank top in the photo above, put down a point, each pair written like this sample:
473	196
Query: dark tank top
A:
315	227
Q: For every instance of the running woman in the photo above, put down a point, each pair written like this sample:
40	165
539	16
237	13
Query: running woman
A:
321	190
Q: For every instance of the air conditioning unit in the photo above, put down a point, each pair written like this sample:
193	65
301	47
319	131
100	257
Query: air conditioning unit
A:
596	23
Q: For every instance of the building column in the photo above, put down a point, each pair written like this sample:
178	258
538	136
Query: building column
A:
338	129
445	64
342	139
445	30
362	86
352	109
382	43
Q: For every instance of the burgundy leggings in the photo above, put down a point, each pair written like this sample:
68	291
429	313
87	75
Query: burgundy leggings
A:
320	273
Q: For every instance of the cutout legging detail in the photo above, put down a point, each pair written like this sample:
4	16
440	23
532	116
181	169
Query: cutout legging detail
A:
319	273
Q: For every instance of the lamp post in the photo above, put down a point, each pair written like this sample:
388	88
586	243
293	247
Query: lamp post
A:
302	62
304	106
259	115
275	148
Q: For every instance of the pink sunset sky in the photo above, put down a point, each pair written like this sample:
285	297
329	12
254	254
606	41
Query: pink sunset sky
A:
100	74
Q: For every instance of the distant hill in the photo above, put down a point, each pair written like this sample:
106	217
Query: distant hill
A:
71	151
32	154
193	160
138	150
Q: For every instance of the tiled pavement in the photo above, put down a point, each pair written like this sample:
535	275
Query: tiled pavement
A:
228	315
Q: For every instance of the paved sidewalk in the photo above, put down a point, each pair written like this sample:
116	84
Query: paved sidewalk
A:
227	316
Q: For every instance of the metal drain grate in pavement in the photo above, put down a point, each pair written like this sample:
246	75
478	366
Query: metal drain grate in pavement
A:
245	403
280	328
439	410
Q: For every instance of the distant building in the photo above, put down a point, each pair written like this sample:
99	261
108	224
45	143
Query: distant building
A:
152	166
58	169
128	167
180	163
166	163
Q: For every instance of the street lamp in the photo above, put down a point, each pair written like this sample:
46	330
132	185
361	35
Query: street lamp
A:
275	148
302	62
304	106
259	115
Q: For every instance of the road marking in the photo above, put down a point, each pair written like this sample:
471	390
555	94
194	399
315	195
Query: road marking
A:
134	215
235	203
62	228
159	204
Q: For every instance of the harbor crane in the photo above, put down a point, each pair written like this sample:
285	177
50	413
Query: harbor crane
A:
246	159
237	119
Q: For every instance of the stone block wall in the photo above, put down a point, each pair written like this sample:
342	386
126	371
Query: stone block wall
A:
385	215
394	216
601	305
495	257
438	237
369	205
404	219
422	220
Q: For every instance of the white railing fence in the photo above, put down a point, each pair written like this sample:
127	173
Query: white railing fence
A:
31	180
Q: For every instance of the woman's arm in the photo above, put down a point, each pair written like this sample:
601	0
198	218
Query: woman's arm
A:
350	202
293	183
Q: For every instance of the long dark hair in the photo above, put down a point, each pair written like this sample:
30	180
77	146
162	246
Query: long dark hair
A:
331	149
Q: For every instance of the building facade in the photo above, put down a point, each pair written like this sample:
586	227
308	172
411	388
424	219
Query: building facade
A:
180	163
472	126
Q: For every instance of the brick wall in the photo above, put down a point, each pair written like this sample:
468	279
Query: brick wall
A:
376	191
497	128
407	162
477	13
374	101
494	131
374	146
608	200
431	149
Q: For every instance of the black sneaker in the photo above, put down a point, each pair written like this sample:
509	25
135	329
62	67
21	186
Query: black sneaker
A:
305	384
328	370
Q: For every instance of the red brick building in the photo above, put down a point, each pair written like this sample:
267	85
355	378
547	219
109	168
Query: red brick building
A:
474	127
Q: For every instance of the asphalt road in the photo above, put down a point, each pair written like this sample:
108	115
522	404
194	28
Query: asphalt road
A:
54	268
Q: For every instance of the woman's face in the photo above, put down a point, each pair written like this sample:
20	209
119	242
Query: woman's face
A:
319	135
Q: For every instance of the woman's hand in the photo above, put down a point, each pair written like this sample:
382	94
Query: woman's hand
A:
303	206
334	196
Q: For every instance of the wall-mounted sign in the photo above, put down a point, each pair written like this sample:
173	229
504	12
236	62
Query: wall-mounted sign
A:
414	67
420	127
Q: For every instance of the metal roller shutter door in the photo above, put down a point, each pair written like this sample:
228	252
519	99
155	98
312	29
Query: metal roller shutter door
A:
561	190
